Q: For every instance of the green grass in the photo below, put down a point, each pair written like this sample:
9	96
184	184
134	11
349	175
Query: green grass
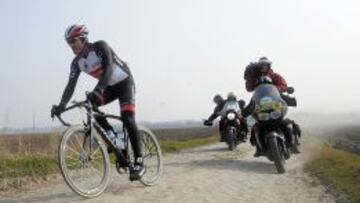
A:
339	169
30	165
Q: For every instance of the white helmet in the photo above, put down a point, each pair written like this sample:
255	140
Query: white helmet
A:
76	31
231	96
264	60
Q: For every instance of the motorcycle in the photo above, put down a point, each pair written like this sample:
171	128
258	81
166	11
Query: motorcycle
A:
269	109
230	120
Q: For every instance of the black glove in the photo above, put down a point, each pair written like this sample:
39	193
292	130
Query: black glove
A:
208	123
56	110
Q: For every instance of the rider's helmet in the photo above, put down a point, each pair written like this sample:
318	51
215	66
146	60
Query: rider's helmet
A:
218	99
76	31
231	96
264	62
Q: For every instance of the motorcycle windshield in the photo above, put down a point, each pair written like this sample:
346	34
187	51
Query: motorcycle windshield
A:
232	105
268	103
266	90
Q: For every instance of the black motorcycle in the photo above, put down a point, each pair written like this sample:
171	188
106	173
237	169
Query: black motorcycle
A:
269	110
230	121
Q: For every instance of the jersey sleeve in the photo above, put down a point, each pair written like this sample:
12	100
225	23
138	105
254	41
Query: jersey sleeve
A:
70	87
216	112
279	82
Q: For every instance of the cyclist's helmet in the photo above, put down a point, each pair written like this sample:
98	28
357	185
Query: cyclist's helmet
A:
76	31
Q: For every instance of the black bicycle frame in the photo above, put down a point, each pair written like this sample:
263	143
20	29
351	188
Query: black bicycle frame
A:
91	113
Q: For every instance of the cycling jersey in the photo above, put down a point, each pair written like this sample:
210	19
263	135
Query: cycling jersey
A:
115	82
100	61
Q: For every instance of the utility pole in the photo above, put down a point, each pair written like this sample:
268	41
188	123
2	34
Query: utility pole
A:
6	120
34	122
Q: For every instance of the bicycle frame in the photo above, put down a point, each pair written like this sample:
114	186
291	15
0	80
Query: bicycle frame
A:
91	123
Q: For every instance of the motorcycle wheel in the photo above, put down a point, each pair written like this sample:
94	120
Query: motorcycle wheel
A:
231	146
230	139
276	155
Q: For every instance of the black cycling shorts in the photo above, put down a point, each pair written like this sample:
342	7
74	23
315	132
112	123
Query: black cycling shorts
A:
124	91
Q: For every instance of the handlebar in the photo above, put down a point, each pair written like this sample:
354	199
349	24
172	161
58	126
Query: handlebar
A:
75	104
88	106
62	121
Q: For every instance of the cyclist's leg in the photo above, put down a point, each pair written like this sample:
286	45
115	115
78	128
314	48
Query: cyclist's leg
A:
128	117
127	105
106	98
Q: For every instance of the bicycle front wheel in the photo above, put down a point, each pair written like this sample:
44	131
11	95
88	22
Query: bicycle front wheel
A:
84	161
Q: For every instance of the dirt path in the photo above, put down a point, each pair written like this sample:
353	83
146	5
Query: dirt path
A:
207	174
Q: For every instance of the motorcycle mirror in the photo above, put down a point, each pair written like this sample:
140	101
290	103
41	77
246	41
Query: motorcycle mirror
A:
241	104
290	90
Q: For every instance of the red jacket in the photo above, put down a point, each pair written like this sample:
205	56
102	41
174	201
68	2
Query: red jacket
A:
278	81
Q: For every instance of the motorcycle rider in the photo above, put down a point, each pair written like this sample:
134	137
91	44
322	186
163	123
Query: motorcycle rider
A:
115	82
252	75
220	102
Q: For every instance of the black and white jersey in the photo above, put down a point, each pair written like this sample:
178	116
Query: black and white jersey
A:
100	61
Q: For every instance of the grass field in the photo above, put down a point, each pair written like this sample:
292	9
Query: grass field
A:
346	138
337	169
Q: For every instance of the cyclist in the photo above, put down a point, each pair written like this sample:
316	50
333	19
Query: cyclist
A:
115	82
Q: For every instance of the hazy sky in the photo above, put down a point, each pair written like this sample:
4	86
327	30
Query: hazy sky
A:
181	52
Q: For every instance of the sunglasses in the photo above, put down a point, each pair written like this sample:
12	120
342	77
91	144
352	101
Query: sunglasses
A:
72	40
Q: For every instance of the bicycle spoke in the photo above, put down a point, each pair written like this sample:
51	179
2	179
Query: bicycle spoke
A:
79	143
96	169
96	151
69	166
88	170
71	160
147	143
152	147
147	155
73	150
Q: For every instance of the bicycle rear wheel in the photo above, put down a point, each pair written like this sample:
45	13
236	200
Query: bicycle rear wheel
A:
84	163
152	157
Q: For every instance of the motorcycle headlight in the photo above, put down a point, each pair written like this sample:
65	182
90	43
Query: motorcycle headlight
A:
231	116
